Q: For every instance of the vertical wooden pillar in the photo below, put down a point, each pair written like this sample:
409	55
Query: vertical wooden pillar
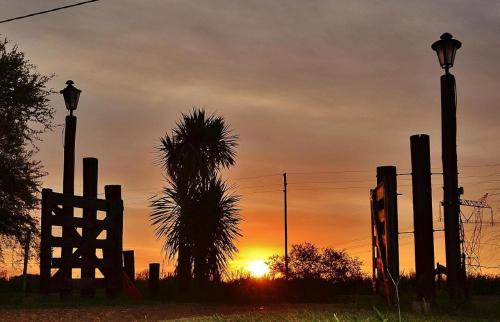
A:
27	241
154	279
45	250
114	261
90	178
451	199
286	224
374	244
422	216
68	190
387	175
129	264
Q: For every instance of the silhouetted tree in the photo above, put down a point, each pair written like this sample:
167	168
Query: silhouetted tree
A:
306	261
195	213
339	266
24	114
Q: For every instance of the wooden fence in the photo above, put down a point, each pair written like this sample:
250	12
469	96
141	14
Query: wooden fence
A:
56	273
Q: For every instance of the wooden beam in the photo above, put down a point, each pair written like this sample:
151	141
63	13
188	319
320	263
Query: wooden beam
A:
79	202
78	242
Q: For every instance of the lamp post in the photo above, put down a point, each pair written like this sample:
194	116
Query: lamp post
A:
71	96
446	49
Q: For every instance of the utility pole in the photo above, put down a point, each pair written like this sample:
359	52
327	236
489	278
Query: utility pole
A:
286	225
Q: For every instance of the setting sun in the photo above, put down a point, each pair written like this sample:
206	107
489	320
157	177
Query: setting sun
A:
257	268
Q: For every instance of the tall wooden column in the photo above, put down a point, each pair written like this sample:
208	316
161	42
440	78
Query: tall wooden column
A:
114	237
422	216
68	190
451	203
90	178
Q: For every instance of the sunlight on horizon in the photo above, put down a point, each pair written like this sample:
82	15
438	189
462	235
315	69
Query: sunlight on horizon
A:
257	268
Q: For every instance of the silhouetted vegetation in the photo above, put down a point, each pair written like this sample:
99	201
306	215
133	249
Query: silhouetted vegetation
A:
306	261
195	213
24	114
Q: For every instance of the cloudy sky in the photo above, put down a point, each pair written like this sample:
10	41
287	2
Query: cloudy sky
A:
323	90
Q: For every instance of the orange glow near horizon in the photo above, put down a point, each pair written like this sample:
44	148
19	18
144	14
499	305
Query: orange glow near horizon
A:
257	268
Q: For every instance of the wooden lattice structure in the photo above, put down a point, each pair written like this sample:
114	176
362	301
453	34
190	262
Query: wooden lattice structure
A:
384	229
81	247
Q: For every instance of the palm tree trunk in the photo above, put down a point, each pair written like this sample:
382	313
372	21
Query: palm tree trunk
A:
184	265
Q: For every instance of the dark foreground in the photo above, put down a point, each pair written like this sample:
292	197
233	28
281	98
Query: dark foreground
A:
249	300
480	309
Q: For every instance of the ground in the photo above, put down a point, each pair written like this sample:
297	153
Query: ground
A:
200	312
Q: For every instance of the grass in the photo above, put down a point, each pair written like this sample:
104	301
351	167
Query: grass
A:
265	301
342	313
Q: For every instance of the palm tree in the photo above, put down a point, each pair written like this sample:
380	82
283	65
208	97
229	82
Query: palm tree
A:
194	210
216	229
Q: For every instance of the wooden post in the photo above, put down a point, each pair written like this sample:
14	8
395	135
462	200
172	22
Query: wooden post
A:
45	250
68	190
27	241
129	264
374	245
115	239
90	175
154	279
286	223
451	198
387	175
422	216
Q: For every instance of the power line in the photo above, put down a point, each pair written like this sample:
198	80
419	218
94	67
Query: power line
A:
265	191
480	165
261	176
48	11
487	267
330	172
259	186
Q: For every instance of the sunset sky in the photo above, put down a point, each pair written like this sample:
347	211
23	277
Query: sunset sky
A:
323	90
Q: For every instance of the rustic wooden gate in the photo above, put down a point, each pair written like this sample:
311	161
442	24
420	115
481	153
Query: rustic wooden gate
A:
82	246
384	222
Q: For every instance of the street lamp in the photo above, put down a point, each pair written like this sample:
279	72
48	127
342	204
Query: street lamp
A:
71	96
446	49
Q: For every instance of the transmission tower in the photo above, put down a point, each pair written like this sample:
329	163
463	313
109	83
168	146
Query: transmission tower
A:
471	237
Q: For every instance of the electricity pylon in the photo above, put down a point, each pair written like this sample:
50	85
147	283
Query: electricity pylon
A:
471	241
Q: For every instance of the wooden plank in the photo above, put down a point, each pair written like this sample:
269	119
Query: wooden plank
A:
78	242
57	220
79	263
87	283
79	202
379	192
57	210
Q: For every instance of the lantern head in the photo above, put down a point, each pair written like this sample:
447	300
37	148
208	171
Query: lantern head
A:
446	49
71	96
